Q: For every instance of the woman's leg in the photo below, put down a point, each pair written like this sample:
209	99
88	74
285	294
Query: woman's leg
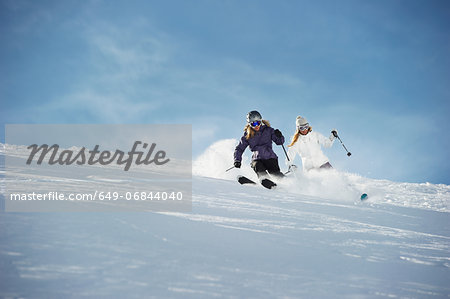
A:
273	168
259	167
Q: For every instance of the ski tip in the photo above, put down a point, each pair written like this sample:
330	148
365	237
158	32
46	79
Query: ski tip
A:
364	196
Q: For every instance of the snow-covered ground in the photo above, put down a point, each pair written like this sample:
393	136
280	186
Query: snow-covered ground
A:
310	238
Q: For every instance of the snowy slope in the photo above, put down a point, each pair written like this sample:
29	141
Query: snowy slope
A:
311	238
339	186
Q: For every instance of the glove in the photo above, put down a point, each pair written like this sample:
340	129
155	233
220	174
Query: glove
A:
292	167
334	132
278	133
237	164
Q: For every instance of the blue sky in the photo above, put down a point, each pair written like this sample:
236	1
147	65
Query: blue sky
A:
378	71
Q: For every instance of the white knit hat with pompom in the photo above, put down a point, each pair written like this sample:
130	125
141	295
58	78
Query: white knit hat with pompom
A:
301	121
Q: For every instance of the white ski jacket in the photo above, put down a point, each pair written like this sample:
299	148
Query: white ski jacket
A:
308	147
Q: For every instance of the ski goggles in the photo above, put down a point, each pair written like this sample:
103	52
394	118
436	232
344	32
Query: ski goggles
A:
255	123
303	128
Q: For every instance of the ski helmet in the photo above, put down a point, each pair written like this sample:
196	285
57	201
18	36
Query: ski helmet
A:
301	121
253	116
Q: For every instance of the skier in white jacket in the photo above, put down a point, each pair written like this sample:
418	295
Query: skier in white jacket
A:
308	144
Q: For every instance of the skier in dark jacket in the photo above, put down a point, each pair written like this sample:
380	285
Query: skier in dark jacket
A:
258	135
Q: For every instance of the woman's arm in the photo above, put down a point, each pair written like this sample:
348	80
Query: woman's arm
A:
240	148
277	137
324	141
292	153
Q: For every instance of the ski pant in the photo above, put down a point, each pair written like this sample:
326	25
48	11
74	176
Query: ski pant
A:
262	167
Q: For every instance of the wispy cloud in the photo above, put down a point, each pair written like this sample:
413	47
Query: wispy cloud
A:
134	72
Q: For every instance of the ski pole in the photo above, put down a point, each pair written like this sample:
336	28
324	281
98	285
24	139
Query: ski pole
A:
289	160
286	157
286	153
229	168
337	136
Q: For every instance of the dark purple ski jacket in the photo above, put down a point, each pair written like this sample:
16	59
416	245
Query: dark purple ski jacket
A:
260	144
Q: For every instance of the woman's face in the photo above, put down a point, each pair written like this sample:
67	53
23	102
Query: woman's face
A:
256	125
256	128
303	130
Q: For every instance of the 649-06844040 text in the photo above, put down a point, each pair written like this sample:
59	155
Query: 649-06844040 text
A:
99	195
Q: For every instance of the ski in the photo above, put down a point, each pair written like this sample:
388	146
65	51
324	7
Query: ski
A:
265	182
268	184
244	180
